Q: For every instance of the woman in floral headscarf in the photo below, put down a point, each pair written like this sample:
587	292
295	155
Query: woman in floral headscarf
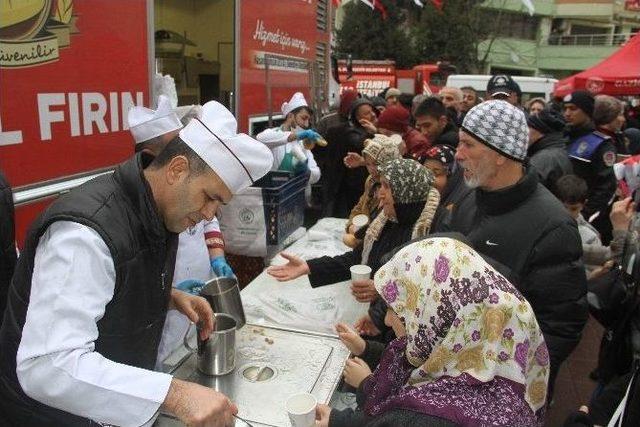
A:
473	353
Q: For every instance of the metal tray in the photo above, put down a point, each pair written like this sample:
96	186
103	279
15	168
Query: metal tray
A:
271	364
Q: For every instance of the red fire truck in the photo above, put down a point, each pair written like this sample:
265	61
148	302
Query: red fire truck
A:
69	72
372	77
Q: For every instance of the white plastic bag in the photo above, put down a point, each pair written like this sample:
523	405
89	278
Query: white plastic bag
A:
242	223
299	309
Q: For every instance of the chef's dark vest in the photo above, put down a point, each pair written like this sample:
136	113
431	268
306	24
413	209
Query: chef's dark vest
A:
120	208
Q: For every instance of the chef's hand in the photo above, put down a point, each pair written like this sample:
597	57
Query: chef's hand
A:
355	371
323	412
295	268
351	339
365	326
197	309
199	406
221	267
191	286
307	134
364	290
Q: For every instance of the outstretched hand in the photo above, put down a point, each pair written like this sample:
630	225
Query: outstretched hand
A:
355	371
622	213
364	290
351	339
365	326
295	268
353	160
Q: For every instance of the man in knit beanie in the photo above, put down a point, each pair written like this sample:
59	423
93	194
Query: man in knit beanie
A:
592	154
513	219
547	150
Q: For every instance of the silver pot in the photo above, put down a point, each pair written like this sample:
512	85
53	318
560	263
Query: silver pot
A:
223	293
216	354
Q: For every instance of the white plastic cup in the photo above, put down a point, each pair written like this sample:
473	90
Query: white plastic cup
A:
360	272
360	221
301	409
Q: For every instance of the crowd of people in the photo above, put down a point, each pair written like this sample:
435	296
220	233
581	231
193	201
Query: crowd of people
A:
521	195
493	229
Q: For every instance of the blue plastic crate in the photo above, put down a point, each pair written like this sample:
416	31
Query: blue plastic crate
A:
284	204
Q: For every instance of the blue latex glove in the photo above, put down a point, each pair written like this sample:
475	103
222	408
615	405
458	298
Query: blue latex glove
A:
220	266
191	286
301	167
308	134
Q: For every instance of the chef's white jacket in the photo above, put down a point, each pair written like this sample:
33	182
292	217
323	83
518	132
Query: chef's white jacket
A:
73	280
276	140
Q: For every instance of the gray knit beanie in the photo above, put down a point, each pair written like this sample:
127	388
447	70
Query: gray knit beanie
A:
500	126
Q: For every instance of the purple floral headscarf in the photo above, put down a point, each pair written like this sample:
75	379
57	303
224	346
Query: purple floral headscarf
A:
473	353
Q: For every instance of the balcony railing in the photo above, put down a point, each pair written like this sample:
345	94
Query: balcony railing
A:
587	39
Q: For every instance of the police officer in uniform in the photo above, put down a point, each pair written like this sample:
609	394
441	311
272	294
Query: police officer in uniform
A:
592	154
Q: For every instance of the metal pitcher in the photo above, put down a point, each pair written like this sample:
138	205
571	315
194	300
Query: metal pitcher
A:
223	293
216	354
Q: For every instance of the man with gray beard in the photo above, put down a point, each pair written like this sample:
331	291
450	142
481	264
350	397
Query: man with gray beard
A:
513	219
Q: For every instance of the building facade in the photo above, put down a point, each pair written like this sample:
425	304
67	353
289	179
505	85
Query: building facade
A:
561	38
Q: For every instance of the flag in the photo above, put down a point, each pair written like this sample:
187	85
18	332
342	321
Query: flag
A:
368	3
529	5
336	3
437	4
376	4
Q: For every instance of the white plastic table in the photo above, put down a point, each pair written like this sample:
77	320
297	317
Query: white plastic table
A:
296	304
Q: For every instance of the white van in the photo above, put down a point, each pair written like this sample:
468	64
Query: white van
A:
532	87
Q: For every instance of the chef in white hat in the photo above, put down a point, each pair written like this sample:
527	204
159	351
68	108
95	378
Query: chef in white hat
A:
201	247
285	143
152	129
92	286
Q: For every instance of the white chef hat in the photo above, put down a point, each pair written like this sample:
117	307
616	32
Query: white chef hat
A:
296	101
187	112
236	158
145	123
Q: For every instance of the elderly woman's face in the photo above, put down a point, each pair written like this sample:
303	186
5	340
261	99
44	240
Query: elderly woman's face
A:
392	320
386	198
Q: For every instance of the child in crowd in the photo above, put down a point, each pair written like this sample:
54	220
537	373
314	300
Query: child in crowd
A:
572	192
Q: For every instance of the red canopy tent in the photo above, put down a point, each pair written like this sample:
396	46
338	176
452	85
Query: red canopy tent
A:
619	74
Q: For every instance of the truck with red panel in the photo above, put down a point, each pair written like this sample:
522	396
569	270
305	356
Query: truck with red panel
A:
69	72
280	49
372	77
